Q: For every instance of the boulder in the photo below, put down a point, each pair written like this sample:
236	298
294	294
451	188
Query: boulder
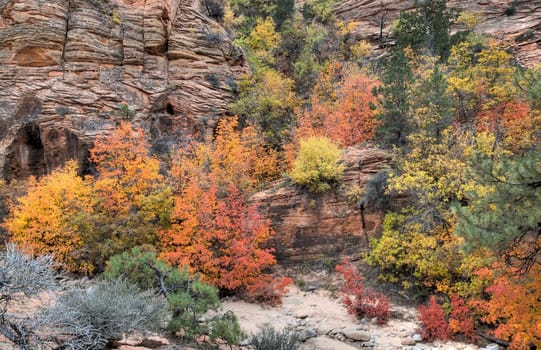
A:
356	334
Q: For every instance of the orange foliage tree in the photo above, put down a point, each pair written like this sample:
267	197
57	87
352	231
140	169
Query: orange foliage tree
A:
127	174
342	111
513	306
512	122
217	236
214	230
234	157
135	200
461	319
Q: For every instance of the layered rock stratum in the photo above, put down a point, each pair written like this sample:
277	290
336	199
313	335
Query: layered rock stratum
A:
518	22
70	69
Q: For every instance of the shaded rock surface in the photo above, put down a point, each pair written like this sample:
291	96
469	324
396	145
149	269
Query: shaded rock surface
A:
70	69
518	22
317	226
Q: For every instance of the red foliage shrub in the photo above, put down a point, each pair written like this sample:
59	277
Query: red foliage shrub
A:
432	317
376	305
220	238
358	300
268	290
461	320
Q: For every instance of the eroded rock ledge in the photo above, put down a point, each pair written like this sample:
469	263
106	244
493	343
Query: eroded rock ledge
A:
70	69
315	226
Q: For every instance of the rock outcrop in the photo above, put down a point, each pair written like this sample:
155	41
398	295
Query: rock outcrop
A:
70	69
314	226
516	21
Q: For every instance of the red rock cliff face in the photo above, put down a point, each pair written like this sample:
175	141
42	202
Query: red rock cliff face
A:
517	21
70	69
313	226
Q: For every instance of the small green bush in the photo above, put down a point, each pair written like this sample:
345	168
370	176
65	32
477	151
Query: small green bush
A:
269	338
89	318
227	328
318	164
188	297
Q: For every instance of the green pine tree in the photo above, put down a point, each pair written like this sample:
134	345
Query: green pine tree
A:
426	29
505	211
394	99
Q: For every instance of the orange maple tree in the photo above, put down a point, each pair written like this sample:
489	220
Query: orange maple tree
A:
127	174
235	156
214	229
513	306
346	114
219	237
134	199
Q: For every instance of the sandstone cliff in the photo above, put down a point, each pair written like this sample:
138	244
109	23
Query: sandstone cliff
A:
69	69
312	226
516	21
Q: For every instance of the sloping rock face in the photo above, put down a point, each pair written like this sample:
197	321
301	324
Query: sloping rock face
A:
517	21
71	69
314	226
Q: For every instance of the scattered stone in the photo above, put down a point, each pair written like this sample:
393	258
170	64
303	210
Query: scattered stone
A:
339	336
154	342
244	342
368	344
407	341
301	315
356	334
328	343
310	288
307	334
417	337
491	346
132	340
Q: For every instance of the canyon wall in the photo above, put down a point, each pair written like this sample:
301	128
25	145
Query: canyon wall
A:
516	21
71	69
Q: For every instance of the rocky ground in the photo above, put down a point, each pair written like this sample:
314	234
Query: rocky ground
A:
324	323
312	308
315	311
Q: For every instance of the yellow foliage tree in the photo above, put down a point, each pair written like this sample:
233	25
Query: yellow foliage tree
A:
262	41
317	165
479	80
45	220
